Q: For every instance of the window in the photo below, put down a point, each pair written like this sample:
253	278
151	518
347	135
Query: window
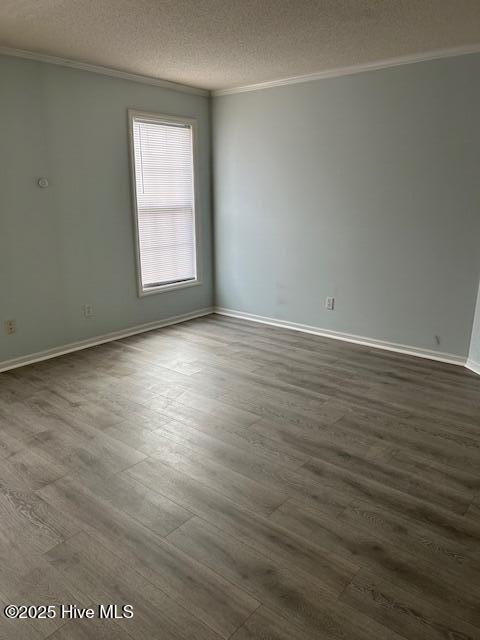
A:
164	201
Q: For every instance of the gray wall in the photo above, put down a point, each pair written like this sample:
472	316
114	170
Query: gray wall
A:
363	187
73	243
474	352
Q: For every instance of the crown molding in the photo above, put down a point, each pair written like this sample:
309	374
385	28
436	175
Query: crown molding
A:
184	88
357	68
106	71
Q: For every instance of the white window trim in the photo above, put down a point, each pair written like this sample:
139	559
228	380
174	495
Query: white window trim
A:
192	122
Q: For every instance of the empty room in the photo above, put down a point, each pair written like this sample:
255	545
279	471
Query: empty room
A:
240	320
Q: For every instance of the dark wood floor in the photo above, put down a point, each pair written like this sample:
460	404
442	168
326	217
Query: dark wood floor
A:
232	480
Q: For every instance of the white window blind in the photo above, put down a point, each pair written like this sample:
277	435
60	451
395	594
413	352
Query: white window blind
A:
163	158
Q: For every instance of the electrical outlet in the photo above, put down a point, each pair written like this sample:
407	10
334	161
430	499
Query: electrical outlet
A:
330	303
10	327
88	310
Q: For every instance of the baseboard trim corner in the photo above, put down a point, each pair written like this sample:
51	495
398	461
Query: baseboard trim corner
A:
449	358
22	361
473	366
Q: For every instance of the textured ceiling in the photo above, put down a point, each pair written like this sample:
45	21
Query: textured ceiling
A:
223	43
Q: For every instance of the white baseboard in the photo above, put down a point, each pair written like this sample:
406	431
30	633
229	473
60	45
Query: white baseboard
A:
449	358
285	324
96	340
473	366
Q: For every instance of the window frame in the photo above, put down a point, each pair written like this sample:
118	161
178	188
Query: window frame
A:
158	118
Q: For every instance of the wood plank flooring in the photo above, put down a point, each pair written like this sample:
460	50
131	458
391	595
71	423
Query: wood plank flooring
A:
235	481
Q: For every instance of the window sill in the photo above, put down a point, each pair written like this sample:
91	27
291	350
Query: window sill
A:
168	287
